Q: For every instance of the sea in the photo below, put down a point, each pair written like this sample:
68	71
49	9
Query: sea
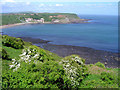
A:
101	33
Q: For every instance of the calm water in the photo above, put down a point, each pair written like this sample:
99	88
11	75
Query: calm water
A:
100	34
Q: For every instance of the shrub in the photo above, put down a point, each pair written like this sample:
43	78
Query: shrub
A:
47	74
99	64
16	43
4	54
75	69
107	77
35	69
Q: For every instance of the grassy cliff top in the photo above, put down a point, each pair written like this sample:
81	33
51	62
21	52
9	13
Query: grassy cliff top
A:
12	18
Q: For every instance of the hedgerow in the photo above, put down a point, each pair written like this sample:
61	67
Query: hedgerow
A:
16	43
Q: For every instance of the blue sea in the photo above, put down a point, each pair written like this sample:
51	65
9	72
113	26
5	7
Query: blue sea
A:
100	34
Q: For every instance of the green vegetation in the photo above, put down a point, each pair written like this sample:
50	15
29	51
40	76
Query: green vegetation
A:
20	17
4	54
99	64
10	19
12	42
34	67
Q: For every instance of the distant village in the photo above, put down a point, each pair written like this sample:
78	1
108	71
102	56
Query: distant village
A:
46	18
42	20
34	20
54	18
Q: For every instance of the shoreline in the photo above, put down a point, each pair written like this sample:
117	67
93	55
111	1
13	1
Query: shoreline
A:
18	24
90	55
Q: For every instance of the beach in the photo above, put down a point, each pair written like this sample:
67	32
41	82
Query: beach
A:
90	55
16	24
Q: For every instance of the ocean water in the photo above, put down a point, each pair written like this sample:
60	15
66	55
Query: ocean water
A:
101	33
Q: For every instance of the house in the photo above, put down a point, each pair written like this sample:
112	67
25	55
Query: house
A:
42	20
50	16
28	19
31	14
60	16
34	20
56	20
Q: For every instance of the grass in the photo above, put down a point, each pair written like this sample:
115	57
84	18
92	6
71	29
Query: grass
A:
96	70
94	78
13	53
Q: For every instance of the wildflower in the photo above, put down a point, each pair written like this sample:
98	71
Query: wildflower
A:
15	63
18	65
36	55
13	60
67	65
29	60
11	66
23	54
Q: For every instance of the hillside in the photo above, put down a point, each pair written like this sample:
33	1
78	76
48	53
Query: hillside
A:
27	66
12	18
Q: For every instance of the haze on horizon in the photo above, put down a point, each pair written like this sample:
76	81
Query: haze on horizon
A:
88	8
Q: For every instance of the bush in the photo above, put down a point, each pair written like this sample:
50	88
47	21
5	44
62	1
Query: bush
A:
16	43
99	64
47	74
107	77
4	54
35	69
75	69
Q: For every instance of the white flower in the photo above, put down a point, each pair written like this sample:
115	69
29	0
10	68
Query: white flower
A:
23	54
36	55
11	66
22	58
72	78
29	51
18	65
25	61
15	69
29	60
13	60
67	65
65	61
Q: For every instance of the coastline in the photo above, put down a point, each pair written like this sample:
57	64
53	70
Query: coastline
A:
91	55
18	24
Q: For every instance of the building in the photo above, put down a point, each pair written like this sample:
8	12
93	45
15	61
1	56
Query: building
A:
50	16
34	20
31	14
55	20
28	19
42	20
60	16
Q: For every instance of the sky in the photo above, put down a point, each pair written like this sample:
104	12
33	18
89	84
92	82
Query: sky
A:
88	7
